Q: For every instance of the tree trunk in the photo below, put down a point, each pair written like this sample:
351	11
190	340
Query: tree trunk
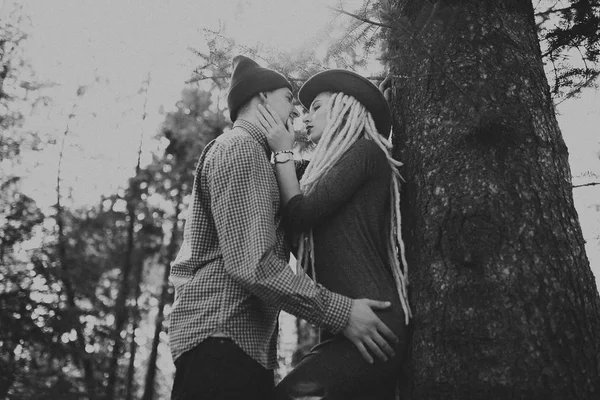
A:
79	353
134	325
164	296
3	69
124	290
505	303
129	386
8	371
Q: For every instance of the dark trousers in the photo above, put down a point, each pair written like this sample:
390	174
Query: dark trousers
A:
218	369
335	370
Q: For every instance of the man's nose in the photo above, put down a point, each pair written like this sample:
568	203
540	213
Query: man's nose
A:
295	113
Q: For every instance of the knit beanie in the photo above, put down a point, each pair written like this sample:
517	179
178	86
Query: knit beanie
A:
247	80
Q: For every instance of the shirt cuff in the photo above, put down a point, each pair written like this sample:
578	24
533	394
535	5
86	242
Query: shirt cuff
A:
338	313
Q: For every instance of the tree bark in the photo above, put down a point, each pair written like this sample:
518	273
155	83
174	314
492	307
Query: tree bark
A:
505	303
164	297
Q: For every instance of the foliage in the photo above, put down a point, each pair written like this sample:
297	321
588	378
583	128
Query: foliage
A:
569	34
52	288
18	87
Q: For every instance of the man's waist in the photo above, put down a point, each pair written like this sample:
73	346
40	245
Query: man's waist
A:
251	329
185	269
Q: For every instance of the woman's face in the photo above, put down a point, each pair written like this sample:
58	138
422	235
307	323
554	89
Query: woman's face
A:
316	117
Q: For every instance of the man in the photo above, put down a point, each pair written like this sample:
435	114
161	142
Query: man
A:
231	276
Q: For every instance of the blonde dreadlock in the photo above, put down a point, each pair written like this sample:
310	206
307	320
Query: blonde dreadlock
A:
347	121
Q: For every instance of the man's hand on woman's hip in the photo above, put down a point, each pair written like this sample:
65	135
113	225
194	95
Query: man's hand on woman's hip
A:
368	333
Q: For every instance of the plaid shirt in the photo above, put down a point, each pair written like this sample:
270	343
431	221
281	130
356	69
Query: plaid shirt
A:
231	274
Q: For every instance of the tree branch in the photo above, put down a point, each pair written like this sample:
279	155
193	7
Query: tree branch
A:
423	46
368	21
578	88
586	184
550	11
201	77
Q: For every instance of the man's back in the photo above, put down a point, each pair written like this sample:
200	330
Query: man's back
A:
208	299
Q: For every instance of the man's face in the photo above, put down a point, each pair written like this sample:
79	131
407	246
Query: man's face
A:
282	101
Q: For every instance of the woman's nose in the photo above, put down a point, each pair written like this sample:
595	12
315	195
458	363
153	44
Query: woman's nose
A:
305	118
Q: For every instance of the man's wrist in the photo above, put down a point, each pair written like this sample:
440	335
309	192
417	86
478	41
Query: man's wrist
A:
338	312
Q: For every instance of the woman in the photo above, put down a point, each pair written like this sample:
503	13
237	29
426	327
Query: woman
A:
346	213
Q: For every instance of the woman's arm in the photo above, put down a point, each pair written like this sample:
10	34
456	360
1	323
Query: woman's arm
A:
288	183
280	138
362	162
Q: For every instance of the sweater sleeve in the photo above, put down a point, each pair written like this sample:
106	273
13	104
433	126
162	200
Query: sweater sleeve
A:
363	161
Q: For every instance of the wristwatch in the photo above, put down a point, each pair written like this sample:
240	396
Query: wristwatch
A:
282	156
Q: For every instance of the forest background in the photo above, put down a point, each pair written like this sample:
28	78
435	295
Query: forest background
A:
104	110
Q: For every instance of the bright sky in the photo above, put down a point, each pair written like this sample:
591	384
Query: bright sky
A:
111	47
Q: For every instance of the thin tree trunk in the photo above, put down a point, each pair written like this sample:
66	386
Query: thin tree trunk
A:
505	303
164	296
134	325
4	68
125	289
8	374
80	355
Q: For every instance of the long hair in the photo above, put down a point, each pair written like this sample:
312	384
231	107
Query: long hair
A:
347	121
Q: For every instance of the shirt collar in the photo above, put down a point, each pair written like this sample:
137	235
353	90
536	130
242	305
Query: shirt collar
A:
255	132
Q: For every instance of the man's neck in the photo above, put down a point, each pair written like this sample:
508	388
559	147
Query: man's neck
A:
256	131
250	116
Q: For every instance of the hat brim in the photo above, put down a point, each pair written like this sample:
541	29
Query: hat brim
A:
350	83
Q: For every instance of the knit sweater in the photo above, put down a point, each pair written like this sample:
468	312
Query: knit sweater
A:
349	212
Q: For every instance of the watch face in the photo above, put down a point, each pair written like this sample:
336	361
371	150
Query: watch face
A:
283	157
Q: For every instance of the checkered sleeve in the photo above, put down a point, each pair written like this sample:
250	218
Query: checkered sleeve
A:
244	213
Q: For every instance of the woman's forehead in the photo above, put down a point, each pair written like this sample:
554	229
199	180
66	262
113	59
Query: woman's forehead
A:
321	97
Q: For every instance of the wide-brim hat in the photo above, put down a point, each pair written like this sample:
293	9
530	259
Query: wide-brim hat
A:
350	83
247	80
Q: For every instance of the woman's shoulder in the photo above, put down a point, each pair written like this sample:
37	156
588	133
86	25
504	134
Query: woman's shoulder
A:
365	155
367	146
368	150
